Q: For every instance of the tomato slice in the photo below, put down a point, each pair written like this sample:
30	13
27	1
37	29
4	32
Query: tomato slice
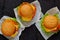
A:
59	26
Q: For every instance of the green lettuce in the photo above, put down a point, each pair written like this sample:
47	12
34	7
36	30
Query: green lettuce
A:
16	21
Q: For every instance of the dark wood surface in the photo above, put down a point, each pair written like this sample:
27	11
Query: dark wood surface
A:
31	33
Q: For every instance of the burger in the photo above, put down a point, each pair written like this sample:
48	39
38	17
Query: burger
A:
26	11
49	23
10	27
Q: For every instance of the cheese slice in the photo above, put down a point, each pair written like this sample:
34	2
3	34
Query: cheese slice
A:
26	18
14	34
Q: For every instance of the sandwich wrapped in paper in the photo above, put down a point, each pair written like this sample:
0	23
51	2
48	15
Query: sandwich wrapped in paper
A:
28	13
10	28
49	23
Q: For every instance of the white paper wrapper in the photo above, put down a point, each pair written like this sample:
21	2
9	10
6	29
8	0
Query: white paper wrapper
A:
53	11
38	25
19	31
35	19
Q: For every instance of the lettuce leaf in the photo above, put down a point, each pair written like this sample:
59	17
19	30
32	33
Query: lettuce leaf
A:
16	21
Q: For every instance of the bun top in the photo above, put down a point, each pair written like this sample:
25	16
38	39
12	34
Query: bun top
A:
50	21
8	27
26	11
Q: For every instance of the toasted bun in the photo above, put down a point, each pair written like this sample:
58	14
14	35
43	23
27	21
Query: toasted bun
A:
51	30
8	27
50	22
26	10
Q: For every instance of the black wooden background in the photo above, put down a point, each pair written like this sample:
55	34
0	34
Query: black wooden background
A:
31	33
